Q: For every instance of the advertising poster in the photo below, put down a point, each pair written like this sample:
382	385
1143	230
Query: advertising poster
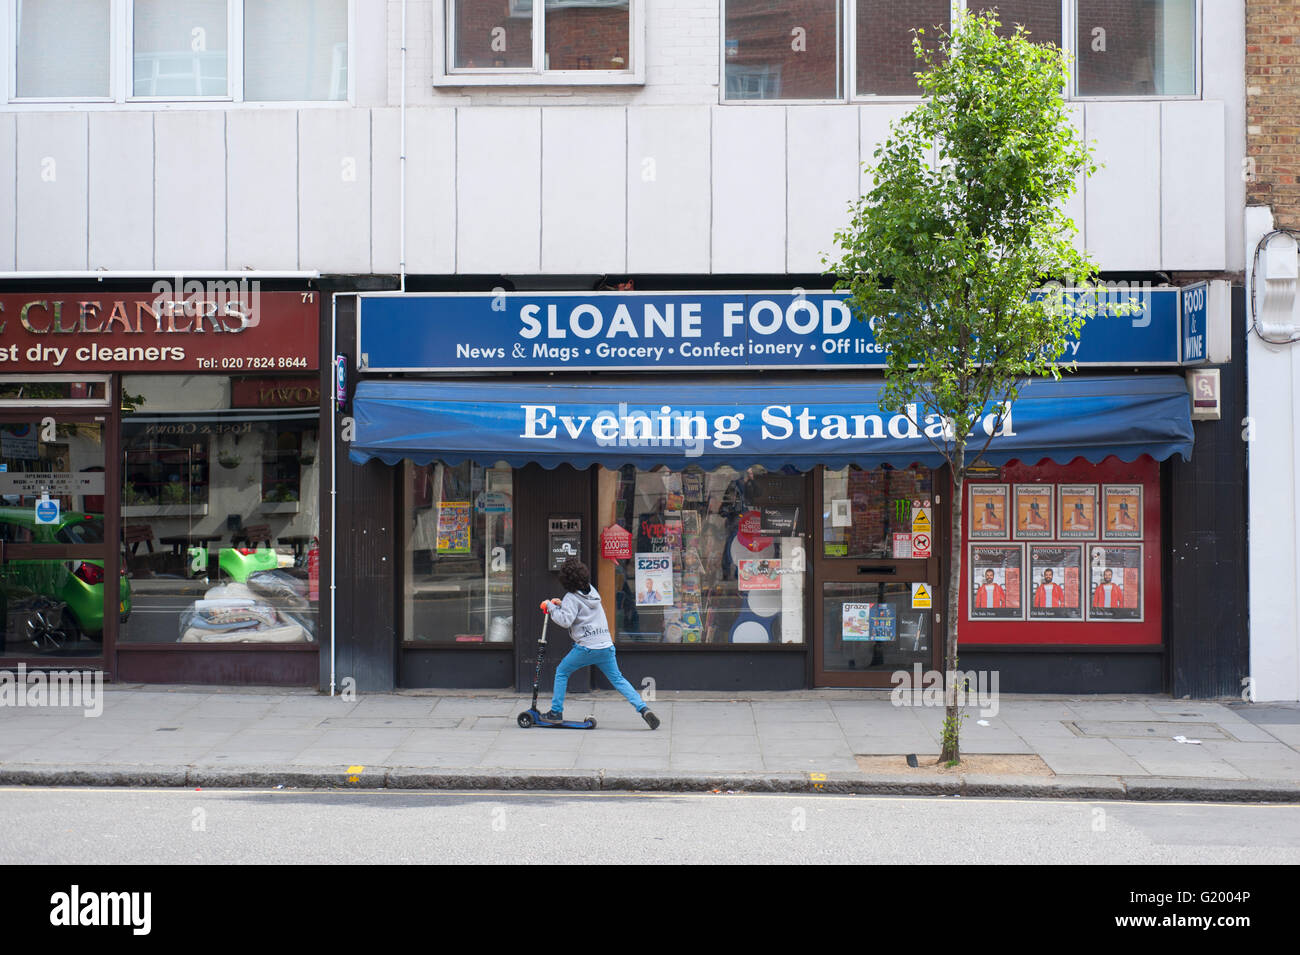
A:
1115	582
1056	582
1122	509
760	575
996	573
1077	512
654	580
1034	511
987	514
855	621
454	521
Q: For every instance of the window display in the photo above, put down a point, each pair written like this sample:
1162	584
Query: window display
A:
717	556
220	484
865	510
459	570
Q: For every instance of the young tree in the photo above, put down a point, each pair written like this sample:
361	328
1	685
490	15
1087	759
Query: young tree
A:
963	223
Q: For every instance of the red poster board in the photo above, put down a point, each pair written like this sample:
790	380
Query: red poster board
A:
1090	632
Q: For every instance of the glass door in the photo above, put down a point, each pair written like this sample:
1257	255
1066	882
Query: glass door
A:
55	596
876	573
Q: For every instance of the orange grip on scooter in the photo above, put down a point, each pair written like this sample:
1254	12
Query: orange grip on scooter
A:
546	606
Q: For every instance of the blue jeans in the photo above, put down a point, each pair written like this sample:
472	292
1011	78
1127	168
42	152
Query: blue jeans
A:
580	657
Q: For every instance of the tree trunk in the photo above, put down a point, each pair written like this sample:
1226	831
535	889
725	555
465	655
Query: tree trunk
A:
952	718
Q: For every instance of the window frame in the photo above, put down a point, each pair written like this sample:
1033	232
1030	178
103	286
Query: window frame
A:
1068	41
445	75
121	60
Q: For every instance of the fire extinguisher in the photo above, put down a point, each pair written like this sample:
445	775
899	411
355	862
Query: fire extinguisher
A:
313	570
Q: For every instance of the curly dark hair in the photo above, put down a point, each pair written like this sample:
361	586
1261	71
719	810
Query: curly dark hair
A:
574	576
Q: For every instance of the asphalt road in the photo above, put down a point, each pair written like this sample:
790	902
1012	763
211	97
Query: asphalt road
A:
169	826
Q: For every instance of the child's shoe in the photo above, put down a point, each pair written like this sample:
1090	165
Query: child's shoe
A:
550	716
650	718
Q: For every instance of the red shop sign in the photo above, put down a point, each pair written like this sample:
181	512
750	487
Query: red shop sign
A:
230	327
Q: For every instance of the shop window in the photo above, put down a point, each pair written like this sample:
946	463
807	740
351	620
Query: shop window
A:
868	514
519	41
1140	48
459	554
717	557
1040	18
220	488
240	50
53	390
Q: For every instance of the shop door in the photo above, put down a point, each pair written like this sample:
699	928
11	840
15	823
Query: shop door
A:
875	575
56	594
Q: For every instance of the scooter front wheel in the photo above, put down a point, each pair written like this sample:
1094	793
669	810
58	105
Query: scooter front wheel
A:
524	720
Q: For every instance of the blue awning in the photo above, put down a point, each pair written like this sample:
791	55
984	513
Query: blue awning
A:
679	421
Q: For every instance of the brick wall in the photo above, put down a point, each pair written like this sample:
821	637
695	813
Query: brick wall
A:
1273	108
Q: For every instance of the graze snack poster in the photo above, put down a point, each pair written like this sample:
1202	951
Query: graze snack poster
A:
987	513
1056	582
996	572
1077	512
1034	511
1115	582
1122	510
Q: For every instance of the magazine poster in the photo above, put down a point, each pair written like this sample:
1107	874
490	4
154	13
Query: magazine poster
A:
1056	582
987	515
654	580
454	522
1076	512
995	581
1122	510
1115	582
1034	519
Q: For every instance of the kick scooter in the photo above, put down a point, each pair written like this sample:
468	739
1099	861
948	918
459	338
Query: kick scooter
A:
532	716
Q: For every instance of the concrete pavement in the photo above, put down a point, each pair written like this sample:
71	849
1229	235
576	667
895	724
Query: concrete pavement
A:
817	740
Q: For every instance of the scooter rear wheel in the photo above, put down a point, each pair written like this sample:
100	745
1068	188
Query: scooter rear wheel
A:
524	720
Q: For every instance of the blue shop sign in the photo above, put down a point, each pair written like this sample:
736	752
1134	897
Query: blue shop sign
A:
1196	316
721	331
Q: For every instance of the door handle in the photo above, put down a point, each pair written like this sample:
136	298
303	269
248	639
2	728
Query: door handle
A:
865	569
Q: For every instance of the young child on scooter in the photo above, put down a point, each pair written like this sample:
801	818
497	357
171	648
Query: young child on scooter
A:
582	614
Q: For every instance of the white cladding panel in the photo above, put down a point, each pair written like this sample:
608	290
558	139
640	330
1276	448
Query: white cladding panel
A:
334	178
1123	196
669	205
822	159
121	190
749	177
584	190
263	170
1193	231
430	191
51	183
190	190
498	189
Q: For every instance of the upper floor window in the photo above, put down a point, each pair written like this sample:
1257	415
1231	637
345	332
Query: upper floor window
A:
829	50
225	50
548	41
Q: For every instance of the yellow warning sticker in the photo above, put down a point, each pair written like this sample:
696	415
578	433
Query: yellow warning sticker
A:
921	521
921	596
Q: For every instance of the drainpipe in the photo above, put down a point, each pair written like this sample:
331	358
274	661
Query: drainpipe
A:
401	212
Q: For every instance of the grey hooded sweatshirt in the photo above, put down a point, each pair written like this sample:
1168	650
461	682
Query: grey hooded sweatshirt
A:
584	617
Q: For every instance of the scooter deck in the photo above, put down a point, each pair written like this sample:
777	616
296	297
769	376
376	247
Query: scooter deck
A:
529	718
